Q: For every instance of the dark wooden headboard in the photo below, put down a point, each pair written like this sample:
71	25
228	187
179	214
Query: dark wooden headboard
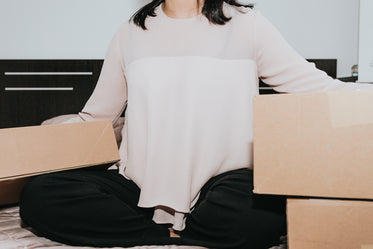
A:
32	91
327	65
35	90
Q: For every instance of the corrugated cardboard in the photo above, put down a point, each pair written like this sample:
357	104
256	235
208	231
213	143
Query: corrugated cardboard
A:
317	144
10	190
329	224
35	150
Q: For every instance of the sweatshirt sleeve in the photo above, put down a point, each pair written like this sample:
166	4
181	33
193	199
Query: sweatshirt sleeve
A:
281	67
110	95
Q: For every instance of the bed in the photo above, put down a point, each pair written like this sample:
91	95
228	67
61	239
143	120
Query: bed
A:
36	91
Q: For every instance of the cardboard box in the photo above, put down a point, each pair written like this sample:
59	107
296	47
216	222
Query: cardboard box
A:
35	150
329	224
10	190
317	144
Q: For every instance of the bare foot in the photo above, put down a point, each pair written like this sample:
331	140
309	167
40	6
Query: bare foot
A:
172	233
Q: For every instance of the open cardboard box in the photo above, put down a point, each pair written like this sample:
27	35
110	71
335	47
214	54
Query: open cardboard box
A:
314	144
329	224
35	150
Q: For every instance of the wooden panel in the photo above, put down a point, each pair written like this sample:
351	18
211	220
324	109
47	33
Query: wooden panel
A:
327	65
32	91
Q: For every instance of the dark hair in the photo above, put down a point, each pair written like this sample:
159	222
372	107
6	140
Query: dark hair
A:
212	9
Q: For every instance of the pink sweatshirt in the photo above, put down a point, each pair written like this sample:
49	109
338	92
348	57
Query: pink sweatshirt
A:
189	86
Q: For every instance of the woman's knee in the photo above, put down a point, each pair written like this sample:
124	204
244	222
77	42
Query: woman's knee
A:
40	196
252	229
265	230
229	214
255	227
33	197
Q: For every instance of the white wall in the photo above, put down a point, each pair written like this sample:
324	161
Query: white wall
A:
366	42
60	29
82	29
318	28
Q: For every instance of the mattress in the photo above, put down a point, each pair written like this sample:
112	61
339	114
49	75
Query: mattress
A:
15	235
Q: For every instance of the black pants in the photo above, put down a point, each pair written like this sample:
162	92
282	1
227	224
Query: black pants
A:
99	208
